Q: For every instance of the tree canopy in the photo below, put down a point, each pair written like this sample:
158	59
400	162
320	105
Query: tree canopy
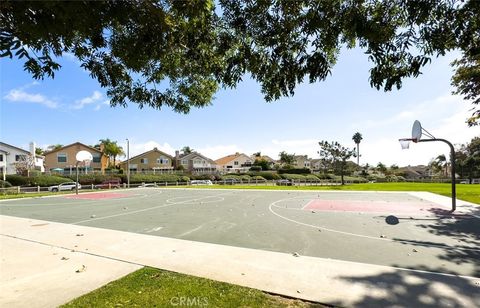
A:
179	53
336	155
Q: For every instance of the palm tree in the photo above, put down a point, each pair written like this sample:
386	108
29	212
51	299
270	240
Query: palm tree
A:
111	149
357	137
442	163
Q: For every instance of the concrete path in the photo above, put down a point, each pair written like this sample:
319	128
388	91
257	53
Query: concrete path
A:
328	281
38	275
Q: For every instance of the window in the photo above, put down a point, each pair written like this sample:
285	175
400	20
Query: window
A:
165	160
184	162
20	157
61	157
144	161
197	162
235	163
1	157
96	158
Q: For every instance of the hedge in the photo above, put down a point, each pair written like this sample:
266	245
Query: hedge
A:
91	178
17	180
295	171
151	178
268	175
309	177
5	184
41	180
241	177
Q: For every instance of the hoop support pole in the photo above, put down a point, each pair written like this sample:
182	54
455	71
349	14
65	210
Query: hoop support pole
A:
452	163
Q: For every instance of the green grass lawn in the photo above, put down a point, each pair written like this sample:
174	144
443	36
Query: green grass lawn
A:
149	287
38	194
467	192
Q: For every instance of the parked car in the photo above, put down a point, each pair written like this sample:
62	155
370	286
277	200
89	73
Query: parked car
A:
64	186
284	182
115	183
201	182
147	185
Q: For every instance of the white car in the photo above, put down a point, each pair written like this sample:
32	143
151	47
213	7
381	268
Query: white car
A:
201	182
64	186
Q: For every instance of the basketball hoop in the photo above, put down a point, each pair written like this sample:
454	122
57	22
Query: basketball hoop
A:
417	132
404	143
85	157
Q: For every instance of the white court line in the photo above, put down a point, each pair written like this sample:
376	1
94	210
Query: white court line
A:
139	211
77	203
154	229
308	203
353	234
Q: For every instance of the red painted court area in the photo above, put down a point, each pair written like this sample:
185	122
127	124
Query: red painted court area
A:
370	206
99	196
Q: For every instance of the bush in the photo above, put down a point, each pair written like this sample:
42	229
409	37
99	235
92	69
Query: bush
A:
295	171
240	177
258	178
17	180
255	168
210	177
268	175
93	178
151	178
47	180
5	184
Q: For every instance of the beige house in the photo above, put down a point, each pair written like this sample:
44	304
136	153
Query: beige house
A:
302	161
150	161
237	162
63	160
195	163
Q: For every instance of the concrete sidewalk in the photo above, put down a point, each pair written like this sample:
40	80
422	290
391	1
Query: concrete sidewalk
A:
101	250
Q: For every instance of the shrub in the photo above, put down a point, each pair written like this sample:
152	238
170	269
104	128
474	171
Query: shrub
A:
17	180
241	177
91	178
150	178
5	184
47	180
210	177
295	171
268	175
255	168
258	178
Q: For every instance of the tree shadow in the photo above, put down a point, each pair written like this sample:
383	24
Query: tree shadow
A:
463	229
403	288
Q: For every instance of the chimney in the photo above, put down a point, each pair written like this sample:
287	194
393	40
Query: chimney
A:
177	154
155	149
32	148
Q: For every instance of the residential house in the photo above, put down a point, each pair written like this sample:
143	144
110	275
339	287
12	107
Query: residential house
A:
150	161
195	163
237	163
316	164
11	155
259	156
64	160
302	161
416	172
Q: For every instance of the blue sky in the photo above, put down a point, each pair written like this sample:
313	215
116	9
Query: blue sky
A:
73	107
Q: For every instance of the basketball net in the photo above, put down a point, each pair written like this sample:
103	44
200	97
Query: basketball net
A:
404	143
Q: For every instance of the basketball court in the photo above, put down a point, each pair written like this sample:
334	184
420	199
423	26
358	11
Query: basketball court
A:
405	231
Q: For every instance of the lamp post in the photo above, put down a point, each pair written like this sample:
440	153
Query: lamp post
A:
128	163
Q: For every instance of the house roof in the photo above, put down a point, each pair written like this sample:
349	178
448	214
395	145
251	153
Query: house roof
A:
17	148
193	155
229	158
145	153
264	157
70	145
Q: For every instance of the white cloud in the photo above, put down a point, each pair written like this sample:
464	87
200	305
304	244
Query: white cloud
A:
19	95
95	97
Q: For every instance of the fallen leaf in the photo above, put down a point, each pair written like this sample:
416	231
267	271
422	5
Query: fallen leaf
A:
82	269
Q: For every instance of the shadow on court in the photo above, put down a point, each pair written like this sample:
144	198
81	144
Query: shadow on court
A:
415	289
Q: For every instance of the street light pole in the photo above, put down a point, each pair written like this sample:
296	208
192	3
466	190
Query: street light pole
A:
128	163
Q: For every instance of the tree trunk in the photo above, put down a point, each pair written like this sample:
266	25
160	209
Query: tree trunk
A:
341	173
358	154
